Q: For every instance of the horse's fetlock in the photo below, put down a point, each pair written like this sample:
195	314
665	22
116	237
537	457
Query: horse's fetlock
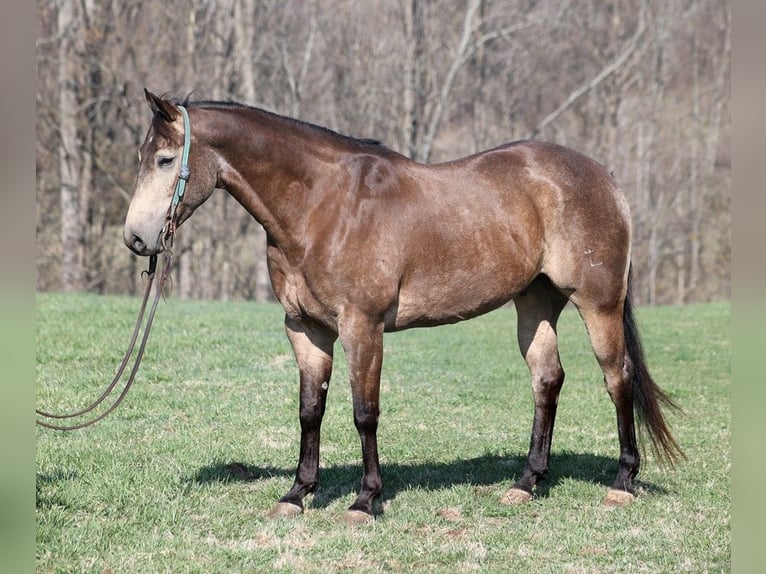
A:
372	484
631	461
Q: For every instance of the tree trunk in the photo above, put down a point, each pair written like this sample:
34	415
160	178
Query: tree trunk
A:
414	89
246	54
69	165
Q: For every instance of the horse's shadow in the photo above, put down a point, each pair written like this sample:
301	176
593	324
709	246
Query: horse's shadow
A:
338	481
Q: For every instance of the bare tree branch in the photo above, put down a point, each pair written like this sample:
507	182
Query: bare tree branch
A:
296	82
608	70
465	50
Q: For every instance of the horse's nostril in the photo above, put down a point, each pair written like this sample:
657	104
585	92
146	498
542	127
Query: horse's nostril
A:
136	243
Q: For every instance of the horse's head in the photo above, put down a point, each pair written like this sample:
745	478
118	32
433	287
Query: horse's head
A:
159	166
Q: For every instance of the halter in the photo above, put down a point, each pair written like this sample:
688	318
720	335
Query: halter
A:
168	231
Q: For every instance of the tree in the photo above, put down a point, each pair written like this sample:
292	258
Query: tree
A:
70	161
640	85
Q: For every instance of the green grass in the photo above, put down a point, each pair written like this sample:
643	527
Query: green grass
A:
178	479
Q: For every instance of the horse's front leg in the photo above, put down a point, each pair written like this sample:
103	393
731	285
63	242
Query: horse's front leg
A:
363	345
313	348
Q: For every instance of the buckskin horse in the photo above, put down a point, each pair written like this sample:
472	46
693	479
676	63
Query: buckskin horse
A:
362	240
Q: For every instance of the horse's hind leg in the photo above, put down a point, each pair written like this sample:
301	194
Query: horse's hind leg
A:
606	331
538	310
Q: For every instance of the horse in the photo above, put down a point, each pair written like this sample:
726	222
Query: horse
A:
362	240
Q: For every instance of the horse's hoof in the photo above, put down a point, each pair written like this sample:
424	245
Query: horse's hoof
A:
357	517
516	496
283	510
617	497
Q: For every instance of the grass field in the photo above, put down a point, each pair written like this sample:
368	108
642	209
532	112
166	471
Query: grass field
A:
179	478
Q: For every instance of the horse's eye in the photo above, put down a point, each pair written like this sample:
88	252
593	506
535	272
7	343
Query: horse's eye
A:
165	161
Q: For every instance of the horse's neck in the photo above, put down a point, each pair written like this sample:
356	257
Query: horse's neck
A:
273	181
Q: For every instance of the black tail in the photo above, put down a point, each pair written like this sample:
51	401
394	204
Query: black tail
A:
648	398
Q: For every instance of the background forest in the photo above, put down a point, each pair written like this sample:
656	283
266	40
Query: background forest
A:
640	85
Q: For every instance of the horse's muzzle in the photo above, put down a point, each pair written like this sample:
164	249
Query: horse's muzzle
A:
138	245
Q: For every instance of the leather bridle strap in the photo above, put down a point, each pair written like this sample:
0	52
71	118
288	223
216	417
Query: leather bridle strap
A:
183	176
167	235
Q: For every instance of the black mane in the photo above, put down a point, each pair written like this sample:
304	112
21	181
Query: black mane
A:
228	104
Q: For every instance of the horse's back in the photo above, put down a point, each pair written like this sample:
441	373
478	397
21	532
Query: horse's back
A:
432	244
495	220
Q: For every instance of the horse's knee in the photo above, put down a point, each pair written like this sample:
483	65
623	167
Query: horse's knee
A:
366	418
311	413
546	385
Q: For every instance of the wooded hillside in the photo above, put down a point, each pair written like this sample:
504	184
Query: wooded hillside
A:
640	85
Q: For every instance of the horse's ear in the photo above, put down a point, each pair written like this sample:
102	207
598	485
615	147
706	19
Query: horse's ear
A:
160	107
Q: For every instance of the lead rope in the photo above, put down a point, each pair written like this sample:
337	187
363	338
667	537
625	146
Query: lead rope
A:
168	232
158	291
